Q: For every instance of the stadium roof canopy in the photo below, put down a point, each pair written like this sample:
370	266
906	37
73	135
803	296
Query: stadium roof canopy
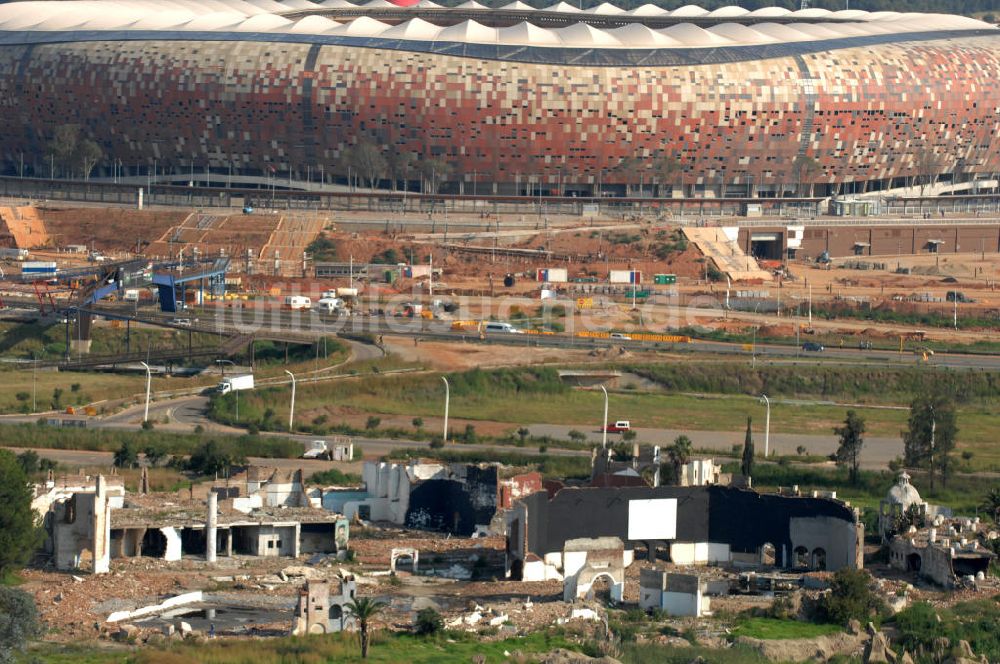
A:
561	24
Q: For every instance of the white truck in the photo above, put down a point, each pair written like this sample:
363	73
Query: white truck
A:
329	305
236	383
298	302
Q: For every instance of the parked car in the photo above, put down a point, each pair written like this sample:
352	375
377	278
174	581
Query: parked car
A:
813	346
186	322
621	336
621	426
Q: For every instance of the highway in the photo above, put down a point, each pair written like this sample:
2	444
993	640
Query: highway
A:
303	326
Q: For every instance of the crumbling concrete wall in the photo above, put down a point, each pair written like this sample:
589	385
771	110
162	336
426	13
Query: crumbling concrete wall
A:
81	531
677	594
587	560
832	543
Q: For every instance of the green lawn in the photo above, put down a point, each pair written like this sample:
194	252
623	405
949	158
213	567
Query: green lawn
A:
774	628
386	648
424	396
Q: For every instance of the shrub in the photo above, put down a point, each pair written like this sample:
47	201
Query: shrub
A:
127	455
372	422
850	597
214	457
428	622
19	624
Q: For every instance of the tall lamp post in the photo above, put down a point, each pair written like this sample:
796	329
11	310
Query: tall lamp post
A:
34	371
447	400
149	380
222	364
604	429
291	411
767	424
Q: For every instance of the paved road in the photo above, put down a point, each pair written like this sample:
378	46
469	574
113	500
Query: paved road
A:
876	454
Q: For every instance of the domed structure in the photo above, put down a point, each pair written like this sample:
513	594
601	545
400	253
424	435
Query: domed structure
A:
903	493
899	500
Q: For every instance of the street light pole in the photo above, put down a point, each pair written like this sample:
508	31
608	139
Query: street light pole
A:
447	403
149	380
604	429
767	425
291	411
34	371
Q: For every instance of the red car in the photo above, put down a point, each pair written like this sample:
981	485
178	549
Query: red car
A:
621	426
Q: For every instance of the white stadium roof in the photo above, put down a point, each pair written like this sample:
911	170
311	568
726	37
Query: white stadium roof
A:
689	26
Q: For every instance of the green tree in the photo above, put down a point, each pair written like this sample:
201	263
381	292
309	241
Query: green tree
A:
629	436
852	439
523	433
930	435
991	504
851	596
429	622
470	434
365	610
213	457
88	153
577	436
418	423
434	172
667	168
746	464
372	422
155	453
18	622
127	456
19	531
679	453
400	165
29	462
805	169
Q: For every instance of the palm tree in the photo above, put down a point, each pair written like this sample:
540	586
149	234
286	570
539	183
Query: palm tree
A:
991	504
679	453
364	609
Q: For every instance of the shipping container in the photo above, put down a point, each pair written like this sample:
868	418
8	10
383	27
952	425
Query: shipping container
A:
625	277
553	275
13	252
39	267
664	279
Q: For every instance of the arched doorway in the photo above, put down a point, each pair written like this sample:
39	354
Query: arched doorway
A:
768	555
913	562
801	558
600	589
517	570
819	558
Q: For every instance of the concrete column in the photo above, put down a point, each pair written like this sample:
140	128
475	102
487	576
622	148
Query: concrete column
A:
211	526
101	528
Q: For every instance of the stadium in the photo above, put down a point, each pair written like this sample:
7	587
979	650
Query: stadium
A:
512	100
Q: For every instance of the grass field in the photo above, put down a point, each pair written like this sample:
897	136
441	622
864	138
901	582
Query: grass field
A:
457	648
775	628
540	400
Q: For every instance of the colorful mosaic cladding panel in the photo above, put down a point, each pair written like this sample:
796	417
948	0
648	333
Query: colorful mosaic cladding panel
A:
862	114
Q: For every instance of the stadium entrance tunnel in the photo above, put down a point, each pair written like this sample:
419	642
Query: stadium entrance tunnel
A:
767	246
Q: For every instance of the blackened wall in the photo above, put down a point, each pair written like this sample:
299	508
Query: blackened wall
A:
454	506
743	519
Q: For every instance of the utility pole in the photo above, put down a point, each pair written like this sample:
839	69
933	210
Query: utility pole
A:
447	402
767	425
291	411
604	429
149	380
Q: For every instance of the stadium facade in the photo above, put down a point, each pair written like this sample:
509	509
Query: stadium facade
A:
513	99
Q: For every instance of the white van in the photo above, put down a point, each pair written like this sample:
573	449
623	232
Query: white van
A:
505	328
298	302
329	305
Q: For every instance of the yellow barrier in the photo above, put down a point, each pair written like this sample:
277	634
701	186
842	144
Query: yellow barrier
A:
639	336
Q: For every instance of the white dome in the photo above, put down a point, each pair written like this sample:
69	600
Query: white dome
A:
517	5
563	7
770	12
647	10
903	493
741	34
691	35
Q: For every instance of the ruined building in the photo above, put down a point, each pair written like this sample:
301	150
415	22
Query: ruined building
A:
700	524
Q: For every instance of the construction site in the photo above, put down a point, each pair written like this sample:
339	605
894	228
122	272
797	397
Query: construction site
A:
233	314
